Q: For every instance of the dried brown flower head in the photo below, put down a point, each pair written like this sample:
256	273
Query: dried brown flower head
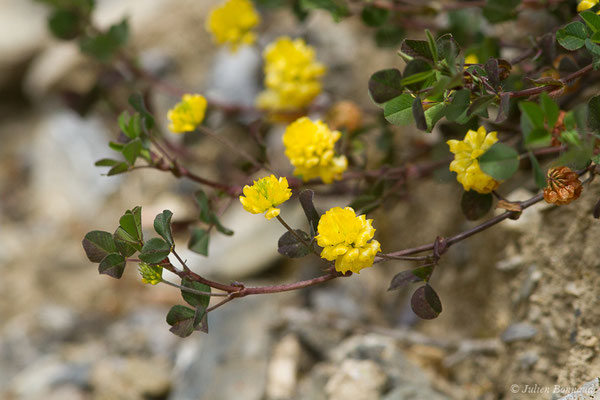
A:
563	187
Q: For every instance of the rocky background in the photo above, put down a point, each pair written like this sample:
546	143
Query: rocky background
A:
520	301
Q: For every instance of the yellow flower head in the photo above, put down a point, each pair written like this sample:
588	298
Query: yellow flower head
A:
188	114
291	75
265	194
232	23
466	164
309	146
151	274
472	59
344	236
586	5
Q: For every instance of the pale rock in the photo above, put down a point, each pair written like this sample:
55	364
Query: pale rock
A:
58	65
233	77
45	373
372	346
283	368
23	31
232	359
510	264
356	380
67	145
518	332
131	378
574	289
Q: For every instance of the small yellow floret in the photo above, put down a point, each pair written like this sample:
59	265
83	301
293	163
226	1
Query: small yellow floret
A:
586	5
345	237
188	114
466	164
232	23
265	194
472	59
151	274
310	147
291	75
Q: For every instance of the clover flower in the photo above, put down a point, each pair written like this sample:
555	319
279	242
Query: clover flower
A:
586	5
188	114
265	194
151	274
345	237
563	186
310	147
466	164
232	23
291	75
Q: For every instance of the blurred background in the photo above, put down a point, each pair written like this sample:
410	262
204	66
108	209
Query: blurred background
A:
512	312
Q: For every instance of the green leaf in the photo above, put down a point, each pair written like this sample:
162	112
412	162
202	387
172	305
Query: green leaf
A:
417	48
184	320
448	49
499	161
480	105
112	265
384	85
593	113
457	109
104	45
425	303
199	241
207	215
106	162
503	108
419	114
432	46
404	278
550	109
374	16
306	201
126	245
476	205
123	238
594	50
538	176
500	10
572	36
97	245
64	24
591	19
131	151
162	226
336	8
291	247
537	137
118	169
136	100
576	157
116	146
398	111
130	125
493	72
193	299
532	116
131	222
155	251
434	114
418	74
